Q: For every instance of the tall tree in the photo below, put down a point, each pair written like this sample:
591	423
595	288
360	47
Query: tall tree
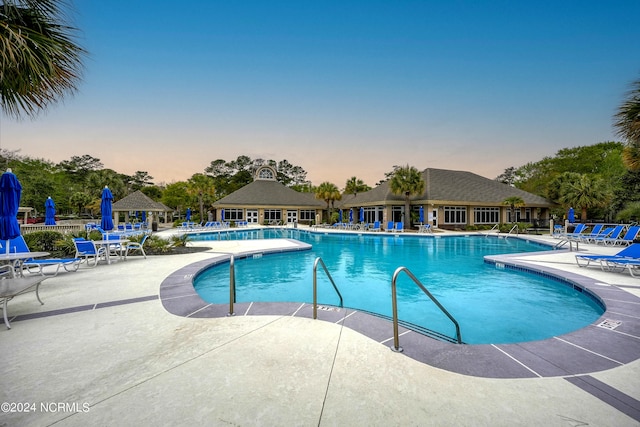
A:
407	181
41	63
329	193
586	192
513	202
355	186
202	188
627	124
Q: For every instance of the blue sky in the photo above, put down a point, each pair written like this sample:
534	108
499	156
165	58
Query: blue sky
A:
341	88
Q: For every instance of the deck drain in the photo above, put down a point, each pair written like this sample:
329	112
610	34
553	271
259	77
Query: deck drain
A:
609	324
325	308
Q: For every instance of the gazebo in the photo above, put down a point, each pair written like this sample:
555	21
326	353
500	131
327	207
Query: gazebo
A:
139	202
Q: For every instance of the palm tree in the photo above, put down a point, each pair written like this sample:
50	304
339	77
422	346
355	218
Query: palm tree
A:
355	186
627	123
329	193
40	61
201	186
407	181
586	192
513	202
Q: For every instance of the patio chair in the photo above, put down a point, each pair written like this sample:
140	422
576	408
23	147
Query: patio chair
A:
627	239
136	246
88	251
595	232
631	265
399	227
613	235
390	226
375	226
630	252
20	245
577	232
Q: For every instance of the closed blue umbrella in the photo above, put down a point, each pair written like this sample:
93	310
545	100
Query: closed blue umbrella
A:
340	215
361	214
350	215
143	216
49	212
421	214
572	216
105	208
188	215
10	191
222	215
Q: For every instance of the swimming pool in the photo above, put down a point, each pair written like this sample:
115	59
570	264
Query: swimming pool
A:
492	305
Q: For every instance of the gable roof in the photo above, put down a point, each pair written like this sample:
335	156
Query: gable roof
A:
449	186
269	193
138	201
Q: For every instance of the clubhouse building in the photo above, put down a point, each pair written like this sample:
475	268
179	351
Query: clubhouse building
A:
451	200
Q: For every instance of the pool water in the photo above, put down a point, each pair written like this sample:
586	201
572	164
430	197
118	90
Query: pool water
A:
492	305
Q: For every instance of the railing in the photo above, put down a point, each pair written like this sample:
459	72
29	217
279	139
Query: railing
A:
495	228
61	228
315	285
396	336
232	285
515	227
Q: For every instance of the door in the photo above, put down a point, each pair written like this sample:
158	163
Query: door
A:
292	216
252	216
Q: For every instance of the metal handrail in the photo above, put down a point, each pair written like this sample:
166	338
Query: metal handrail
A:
495	228
394	301
515	227
315	285
232	285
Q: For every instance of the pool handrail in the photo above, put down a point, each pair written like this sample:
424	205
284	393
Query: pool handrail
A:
315	285
232	285
396	338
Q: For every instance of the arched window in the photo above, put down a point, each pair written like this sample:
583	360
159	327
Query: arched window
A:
266	173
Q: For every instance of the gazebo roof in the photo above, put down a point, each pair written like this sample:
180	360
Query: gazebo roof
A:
138	201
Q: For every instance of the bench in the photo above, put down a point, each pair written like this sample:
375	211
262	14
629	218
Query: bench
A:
12	287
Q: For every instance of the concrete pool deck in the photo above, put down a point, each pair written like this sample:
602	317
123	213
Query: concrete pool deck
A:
103	350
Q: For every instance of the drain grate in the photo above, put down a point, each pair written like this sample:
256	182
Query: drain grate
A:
609	324
325	308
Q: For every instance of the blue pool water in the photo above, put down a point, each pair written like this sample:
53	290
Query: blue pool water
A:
492	305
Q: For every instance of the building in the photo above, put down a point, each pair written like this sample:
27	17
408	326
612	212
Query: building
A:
267	201
452	199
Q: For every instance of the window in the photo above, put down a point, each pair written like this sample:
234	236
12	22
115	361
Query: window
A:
233	214
486	215
455	215
307	215
272	214
265	173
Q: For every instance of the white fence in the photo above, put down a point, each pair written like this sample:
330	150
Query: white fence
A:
61	228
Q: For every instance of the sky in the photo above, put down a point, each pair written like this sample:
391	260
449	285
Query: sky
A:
340	88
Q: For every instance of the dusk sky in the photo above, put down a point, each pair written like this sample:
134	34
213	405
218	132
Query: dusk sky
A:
340	88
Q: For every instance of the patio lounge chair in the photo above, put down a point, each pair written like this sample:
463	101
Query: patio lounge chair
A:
613	235
577	232
399	227
595	232
630	252
627	239
19	245
87	250
631	265
375	226
390	226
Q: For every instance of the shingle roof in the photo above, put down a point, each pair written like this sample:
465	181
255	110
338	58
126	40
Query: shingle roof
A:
443	185
138	201
269	193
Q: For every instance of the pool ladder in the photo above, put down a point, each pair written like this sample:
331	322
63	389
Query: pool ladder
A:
317	262
394	302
